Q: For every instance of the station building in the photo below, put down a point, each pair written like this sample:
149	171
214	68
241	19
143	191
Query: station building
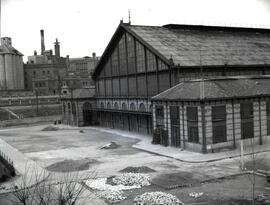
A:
206	115
141	62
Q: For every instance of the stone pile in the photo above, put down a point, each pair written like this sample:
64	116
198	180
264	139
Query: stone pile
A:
157	198
132	179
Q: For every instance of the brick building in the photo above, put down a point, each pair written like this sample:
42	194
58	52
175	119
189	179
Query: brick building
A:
79	73
44	73
210	114
77	107
141	62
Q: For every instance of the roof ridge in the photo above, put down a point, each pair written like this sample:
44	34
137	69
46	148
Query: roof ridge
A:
147	26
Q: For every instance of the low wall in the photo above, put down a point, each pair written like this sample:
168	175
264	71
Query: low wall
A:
28	121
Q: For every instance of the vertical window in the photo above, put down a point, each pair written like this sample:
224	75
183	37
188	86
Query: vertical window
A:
160	116
175	126
192	124
115	63
131	54
122	56
140	57
219	124
247	128
151	61
161	65
268	117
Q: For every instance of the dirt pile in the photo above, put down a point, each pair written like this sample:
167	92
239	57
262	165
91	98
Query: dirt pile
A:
142	169
72	165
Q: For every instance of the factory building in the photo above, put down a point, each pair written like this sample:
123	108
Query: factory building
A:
44	73
11	66
79	73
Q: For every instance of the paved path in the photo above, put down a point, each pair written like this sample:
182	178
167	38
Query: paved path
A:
29	172
178	154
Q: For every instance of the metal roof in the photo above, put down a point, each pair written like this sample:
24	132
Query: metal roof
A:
4	49
202	45
192	45
218	88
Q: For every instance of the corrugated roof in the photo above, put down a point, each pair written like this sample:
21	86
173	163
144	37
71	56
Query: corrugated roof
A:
219	88
185	44
4	49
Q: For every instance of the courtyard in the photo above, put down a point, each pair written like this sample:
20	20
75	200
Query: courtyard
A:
60	149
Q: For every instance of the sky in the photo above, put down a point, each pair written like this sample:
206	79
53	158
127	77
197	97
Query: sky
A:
86	26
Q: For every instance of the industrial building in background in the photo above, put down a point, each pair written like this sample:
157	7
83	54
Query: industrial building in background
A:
43	73
51	74
11	66
79	73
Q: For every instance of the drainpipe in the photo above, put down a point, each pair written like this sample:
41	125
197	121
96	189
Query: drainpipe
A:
260	121
234	143
183	125
204	150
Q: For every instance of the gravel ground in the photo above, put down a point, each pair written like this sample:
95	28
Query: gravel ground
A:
231	191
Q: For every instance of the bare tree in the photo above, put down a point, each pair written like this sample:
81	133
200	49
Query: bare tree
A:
252	156
60	189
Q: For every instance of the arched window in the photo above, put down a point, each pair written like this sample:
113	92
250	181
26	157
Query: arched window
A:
101	105
124	106
142	107
116	106
109	105
132	106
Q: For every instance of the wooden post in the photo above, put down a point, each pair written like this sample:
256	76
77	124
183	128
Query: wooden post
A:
242	155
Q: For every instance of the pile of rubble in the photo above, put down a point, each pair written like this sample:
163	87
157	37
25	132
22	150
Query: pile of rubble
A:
157	198
112	196
114	193
132	179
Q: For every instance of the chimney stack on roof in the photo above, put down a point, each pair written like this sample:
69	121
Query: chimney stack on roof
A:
42	41
57	48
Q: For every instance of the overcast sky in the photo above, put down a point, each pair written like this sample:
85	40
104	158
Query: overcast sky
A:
86	26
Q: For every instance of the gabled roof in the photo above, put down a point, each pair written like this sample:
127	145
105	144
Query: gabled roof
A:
208	45
218	88
4	49
191	45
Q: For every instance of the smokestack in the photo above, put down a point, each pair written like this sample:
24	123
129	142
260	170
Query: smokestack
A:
57	48
42	41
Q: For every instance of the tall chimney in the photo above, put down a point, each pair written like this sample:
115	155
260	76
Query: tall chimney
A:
57	48
42	41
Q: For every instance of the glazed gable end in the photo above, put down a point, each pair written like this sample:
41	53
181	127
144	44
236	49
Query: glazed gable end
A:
130	67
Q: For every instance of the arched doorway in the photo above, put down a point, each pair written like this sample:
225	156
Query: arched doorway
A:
87	114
